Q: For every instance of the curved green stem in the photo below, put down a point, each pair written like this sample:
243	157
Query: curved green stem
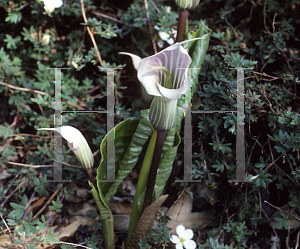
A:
141	185
108	222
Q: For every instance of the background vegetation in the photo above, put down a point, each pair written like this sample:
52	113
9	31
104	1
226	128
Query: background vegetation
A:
263	35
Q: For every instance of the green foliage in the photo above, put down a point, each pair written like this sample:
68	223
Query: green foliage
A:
56	206
158	237
213	244
104	30
263	36
271	112
238	229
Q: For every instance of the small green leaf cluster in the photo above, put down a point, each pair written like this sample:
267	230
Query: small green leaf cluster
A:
262	35
157	238
26	230
135	19
239	231
267	51
104	30
214	244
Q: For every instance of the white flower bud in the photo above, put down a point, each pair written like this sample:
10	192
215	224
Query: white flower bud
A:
50	5
77	143
46	39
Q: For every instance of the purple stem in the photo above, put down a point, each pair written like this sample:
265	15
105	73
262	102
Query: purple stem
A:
183	15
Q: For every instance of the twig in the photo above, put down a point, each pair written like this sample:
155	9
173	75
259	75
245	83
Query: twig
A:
260	205
22	135
22	89
205	165
16	188
256	141
107	17
155	6
282	210
31	166
36	91
295	177
91	34
287	91
178	198
51	244
10	235
265	95
150	28
264	74
40	106
42	166
82	43
46	204
23	6
233	9
52	213
273	162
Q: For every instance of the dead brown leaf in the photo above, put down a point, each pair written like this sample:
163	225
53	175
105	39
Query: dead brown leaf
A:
181	214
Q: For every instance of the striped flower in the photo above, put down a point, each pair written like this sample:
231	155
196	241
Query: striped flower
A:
163	76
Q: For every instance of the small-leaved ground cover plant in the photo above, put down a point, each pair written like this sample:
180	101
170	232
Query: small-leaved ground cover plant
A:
85	38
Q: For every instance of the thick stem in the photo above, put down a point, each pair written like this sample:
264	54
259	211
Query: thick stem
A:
141	185
154	166
183	14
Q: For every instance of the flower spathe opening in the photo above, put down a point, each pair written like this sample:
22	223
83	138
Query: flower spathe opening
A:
163	69
168	80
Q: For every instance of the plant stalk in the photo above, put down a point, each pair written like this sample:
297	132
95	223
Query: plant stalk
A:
90	173
154	166
183	15
141	185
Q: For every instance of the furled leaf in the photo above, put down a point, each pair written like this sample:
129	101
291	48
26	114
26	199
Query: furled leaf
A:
145	223
170	148
198	51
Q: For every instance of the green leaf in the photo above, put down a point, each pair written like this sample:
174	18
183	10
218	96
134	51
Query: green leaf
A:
105	216
169	151
139	197
280	149
170	147
18	213
14	17
12	42
130	137
198	51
